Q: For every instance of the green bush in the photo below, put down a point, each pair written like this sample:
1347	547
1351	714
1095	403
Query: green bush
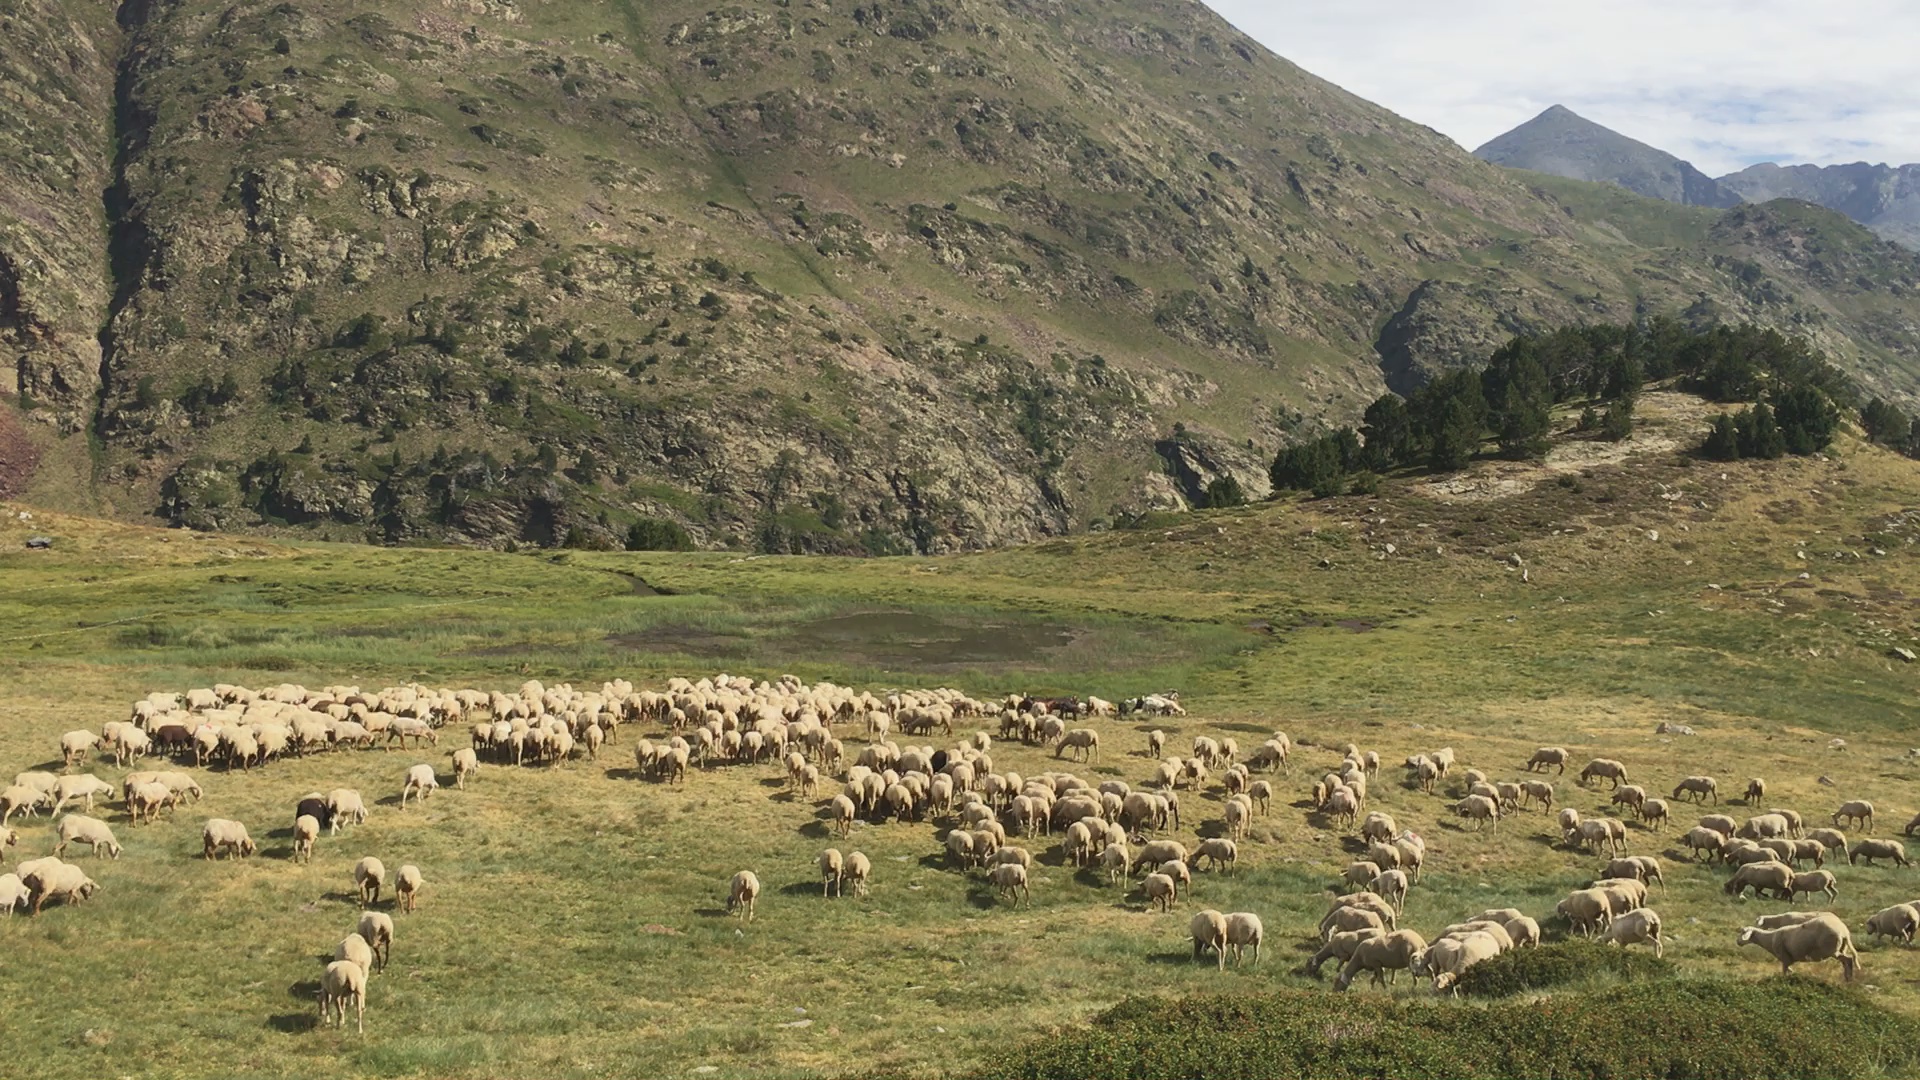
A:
658	534
1672	1029
1560	964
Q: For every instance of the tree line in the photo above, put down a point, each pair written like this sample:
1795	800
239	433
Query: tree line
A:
1509	399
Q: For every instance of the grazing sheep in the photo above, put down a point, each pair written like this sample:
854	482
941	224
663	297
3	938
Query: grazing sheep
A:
59	880
1697	789
377	928
1494	929
833	868
355	948
1700	839
1756	791
1898	921
1524	932
406	887
1813	881
1586	911
1158	852
1378	827
860	870
1764	827
1606	769
346	806
1653	813
1640	926
306	829
841	814
742	891
420	782
1261	793
1223	852
1391	884
1359	873
18	798
1643	868
1346	919
1341	947
1832	839
1114	859
1447	959
1385	856
1608	832
1156	743
1383	957
145	800
1823	937
1878	849
79	788
1244	930
1721	824
369	877
13	894
76	745
465	763
1159	891
1008	879
1532	791
89	831
1178	871
1479	809
1632	795
1413	854
344	983
1858	811
1084	740
221	835
1236	815
1762	876
1548	757
1209	931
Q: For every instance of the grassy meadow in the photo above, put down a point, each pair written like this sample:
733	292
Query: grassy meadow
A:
572	923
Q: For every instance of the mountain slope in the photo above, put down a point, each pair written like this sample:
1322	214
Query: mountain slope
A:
1561	142
922	274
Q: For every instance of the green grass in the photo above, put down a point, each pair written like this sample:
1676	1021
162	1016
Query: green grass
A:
571	923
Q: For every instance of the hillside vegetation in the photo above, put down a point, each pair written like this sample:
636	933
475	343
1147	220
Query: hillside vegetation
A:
900	276
573	924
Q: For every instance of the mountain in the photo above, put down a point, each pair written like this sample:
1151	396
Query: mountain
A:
1884	198
1561	142
898	275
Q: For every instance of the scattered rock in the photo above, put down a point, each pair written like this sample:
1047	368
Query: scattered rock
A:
1653	534
1904	653
1515	560
1837	744
39	543
796	1024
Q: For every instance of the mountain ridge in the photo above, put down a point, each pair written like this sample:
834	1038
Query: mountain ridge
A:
927	275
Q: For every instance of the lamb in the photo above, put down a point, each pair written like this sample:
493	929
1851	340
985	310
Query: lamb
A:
1898	921
1341	947
1447	959
346	805
420	782
1244	930
355	948
341	985
860	870
1815	881
1762	876
1756	791
1546	757
13	894
143	801
1156	743
1698	789
1178	871
1159	892
62	881
1114	859
840	815
1636	927
306	829
1857	811
833	869
1604	768
1878	849
406	887
741	893
1586	911
1381	956
1222	851
1391	884
1823	937
465	763
90	831
369	877
1008	879
221	835
1209	931
377	928
18	798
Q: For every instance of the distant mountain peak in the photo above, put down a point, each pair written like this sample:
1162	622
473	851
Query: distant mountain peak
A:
1564	143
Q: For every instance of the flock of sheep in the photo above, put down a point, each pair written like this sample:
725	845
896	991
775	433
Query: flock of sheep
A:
988	816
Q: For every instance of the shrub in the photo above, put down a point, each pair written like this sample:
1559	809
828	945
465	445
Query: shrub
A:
1560	964
1676	1029
1225	491
658	534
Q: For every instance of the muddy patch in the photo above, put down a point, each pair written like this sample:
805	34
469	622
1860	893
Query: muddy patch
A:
683	641
913	639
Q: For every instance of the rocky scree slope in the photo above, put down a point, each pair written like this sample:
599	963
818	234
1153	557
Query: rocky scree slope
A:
895	275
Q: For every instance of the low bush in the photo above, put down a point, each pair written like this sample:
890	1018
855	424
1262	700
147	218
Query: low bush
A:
1563	963
1673	1029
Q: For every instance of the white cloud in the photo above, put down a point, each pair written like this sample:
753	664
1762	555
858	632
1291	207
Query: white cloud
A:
1720	83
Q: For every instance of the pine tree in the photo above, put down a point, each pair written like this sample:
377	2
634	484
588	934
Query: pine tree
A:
1387	428
1723	440
1760	435
1807	419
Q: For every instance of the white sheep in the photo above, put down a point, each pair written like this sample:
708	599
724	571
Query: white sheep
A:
1898	921
377	928
420	782
13	893
406	887
90	831
1223	852
1823	937
1244	930
742	891
1159	891
833	869
221	835
465	763
344	983
53	879
1008	879
860	870
355	948
306	829
369	877
1636	927
1208	929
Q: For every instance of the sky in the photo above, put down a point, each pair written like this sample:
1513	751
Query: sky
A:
1718	83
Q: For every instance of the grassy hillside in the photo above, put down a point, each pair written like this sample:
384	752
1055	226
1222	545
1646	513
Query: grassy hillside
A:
572	926
918	275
